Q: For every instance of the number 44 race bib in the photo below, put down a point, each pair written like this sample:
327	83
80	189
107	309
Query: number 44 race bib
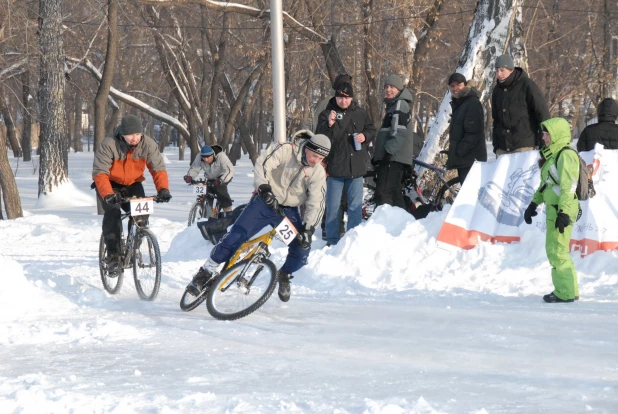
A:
286	231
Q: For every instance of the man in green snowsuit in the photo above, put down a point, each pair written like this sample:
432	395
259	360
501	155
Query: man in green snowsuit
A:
557	191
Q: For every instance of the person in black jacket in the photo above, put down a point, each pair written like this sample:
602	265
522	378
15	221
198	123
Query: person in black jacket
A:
350	130
517	108
467	129
605	131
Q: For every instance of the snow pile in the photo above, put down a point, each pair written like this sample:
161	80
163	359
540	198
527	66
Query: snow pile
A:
64	196
188	245
16	293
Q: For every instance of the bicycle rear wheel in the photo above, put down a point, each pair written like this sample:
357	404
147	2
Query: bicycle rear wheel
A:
147	265
196	212
111	283
241	289
445	195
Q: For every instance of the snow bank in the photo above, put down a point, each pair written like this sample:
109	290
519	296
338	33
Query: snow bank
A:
64	196
393	252
16	293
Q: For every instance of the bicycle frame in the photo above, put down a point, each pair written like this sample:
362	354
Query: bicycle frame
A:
252	247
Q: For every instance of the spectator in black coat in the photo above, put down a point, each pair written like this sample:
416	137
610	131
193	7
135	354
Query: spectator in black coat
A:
605	131
350	131
517	108
467	129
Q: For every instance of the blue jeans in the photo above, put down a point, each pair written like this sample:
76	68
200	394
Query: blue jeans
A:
334	188
254	218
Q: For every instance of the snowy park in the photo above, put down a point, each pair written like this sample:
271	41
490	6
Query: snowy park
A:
386	321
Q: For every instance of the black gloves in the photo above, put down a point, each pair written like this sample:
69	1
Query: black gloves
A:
266	193
188	179
112	199
563	220
530	212
164	195
304	237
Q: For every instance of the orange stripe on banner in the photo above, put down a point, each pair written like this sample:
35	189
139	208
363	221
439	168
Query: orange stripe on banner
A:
467	239
589	246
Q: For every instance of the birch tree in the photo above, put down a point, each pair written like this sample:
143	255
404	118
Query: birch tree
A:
486	40
53	169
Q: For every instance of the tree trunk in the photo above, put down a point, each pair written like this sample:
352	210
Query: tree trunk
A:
26	141
100	101
10	125
10	194
373	107
219	63
53	167
78	145
164	141
486	41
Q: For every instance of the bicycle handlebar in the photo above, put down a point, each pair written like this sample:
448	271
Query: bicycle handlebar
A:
155	198
207	182
429	166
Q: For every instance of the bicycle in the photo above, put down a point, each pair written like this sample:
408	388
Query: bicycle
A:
247	281
140	251
204	206
419	202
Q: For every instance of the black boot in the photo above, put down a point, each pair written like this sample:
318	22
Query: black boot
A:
199	282
551	298
112	261
284	285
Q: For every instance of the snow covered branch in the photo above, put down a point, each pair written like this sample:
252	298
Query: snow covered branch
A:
131	100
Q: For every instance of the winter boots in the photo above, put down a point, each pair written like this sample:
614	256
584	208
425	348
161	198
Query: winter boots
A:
112	260
284	285
199	282
551	298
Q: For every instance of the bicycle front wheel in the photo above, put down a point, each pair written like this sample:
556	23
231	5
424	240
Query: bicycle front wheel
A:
111	282
196	212
147	265
241	289
446	195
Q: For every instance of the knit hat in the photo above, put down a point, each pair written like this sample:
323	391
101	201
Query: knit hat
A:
320	144
129	125
206	151
342	77
395	81
505	61
344	90
457	78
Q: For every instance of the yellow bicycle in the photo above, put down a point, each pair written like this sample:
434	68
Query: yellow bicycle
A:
247	280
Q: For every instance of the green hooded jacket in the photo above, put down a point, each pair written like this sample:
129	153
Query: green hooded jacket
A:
559	181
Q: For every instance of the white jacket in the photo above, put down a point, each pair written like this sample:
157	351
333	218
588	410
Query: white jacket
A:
292	183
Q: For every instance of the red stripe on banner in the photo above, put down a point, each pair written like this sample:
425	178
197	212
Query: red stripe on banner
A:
589	246
467	239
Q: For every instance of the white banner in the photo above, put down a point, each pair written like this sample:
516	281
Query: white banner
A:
491	204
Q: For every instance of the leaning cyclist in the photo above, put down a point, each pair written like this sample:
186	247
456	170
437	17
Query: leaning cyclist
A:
218	168
287	176
118	171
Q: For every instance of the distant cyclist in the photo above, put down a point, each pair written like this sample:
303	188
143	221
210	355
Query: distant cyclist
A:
118	171
218	168
287	176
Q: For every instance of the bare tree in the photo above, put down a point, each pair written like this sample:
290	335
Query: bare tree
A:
5	111
12	202
53	168
100	101
26	134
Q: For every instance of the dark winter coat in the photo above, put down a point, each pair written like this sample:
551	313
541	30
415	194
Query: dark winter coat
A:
605	131
343	160
467	130
396	136
517	108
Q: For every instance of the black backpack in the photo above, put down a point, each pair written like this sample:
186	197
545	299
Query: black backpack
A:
585	187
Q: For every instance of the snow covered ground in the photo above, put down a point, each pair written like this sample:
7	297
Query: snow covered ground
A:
385	322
